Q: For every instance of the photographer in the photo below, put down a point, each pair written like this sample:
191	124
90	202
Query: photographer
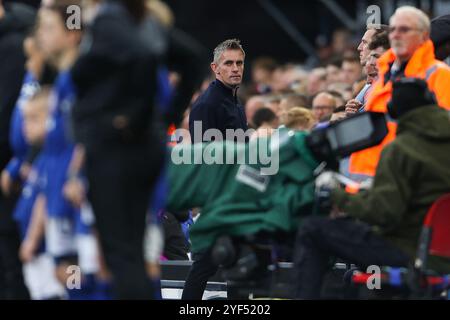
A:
381	226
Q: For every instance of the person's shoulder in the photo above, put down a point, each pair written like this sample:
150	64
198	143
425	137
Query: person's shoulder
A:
401	146
394	146
207	99
201	102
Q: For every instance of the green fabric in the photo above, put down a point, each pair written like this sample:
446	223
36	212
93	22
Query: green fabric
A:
231	207
413	172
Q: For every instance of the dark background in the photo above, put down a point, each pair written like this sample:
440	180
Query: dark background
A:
212	21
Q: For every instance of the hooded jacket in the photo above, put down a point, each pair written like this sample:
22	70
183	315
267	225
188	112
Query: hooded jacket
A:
413	172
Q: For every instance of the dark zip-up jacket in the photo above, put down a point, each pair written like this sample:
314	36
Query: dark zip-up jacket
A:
217	108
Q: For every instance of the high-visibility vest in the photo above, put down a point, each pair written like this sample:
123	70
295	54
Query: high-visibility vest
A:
421	65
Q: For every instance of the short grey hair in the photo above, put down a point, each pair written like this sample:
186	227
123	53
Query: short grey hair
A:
230	44
422	19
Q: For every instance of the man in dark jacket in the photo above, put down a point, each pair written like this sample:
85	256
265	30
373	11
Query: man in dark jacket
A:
218	107
15	21
382	225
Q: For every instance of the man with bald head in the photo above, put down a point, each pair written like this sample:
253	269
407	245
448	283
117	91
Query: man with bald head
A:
253	104
323	106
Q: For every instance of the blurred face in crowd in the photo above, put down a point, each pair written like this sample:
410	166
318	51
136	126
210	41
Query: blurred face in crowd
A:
253	104
261	75
323	106
333	74
230	68
340	40
406	35
274	105
317	81
53	36
351	72
363	47
35	117
371	65
35	58
51	33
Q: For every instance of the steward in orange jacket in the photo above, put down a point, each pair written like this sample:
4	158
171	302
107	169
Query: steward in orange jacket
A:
421	65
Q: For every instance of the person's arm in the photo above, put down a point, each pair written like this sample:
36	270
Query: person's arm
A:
74	188
36	230
207	114
77	161
388	200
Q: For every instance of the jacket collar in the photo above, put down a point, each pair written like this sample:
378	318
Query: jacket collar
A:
422	58
226	89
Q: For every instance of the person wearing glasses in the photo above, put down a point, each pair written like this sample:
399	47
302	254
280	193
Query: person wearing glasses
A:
323	106
412	56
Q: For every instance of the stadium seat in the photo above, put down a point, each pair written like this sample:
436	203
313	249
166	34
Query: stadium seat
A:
434	241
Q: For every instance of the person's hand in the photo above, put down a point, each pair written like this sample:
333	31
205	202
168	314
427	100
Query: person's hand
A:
352	107
327	180
6	183
366	184
74	191
25	170
337	213
338	116
27	250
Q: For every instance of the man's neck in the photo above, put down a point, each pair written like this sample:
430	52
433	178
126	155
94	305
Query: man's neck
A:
233	89
400	61
67	59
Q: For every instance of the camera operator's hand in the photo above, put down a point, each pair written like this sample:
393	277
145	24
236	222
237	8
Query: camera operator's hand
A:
327	180
337	213
366	184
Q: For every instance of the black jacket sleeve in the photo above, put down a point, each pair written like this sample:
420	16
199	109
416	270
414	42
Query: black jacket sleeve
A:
12	66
